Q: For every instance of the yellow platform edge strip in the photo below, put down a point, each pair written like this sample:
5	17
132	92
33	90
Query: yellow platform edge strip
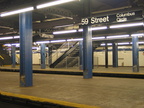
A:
37	99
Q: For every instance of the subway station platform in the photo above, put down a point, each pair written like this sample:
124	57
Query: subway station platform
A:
74	91
63	87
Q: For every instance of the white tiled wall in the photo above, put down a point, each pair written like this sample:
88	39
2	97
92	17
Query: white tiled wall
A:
124	58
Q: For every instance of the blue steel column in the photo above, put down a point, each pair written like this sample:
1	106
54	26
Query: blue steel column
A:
115	55
106	56
87	52
87	42
25	26
135	51
13	55
43	57
81	54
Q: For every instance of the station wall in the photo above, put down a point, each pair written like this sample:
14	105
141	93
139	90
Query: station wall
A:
124	56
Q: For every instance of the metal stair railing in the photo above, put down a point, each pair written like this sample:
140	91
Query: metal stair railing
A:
5	54
72	48
60	51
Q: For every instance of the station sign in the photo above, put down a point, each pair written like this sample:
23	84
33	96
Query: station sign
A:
116	18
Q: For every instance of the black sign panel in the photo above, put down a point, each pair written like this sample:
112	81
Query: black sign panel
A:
117	18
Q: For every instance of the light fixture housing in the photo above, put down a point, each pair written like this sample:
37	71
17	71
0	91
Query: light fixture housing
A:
64	32
137	34
40	42
6	38
49	4
98	38
77	39
15	44
99	28
17	11
109	44
16	37
127	25
124	43
95	28
117	36
57	41
140	42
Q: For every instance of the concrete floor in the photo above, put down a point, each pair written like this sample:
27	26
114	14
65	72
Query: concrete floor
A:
99	91
96	69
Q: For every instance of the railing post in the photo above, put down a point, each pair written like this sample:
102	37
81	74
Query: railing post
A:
13	55
43	57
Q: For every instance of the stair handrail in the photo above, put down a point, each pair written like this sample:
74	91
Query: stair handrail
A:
71	48
64	47
56	53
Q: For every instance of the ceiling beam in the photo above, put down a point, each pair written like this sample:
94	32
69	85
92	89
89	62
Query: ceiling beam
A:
46	25
56	12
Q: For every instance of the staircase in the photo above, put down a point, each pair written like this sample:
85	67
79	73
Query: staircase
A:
5	54
68	56
70	53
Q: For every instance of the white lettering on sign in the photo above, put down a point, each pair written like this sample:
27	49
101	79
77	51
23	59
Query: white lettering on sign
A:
122	17
95	20
85	21
118	17
125	14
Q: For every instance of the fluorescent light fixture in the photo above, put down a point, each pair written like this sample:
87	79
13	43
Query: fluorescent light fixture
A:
124	43
127	25
40	42
117	36
34	48
95	28
57	41
80	30
16	44
138	42
9	45
98	38
138	34
17	11
99	28
141	42
109	44
65	32
53	3
6	38
16	37
78	39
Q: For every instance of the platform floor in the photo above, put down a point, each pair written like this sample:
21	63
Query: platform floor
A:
99	91
96	69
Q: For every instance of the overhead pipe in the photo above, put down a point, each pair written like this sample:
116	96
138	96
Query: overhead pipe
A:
110	10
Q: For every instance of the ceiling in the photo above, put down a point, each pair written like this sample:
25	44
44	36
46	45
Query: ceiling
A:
51	19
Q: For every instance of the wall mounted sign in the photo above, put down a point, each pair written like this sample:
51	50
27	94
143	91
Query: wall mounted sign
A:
116	18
